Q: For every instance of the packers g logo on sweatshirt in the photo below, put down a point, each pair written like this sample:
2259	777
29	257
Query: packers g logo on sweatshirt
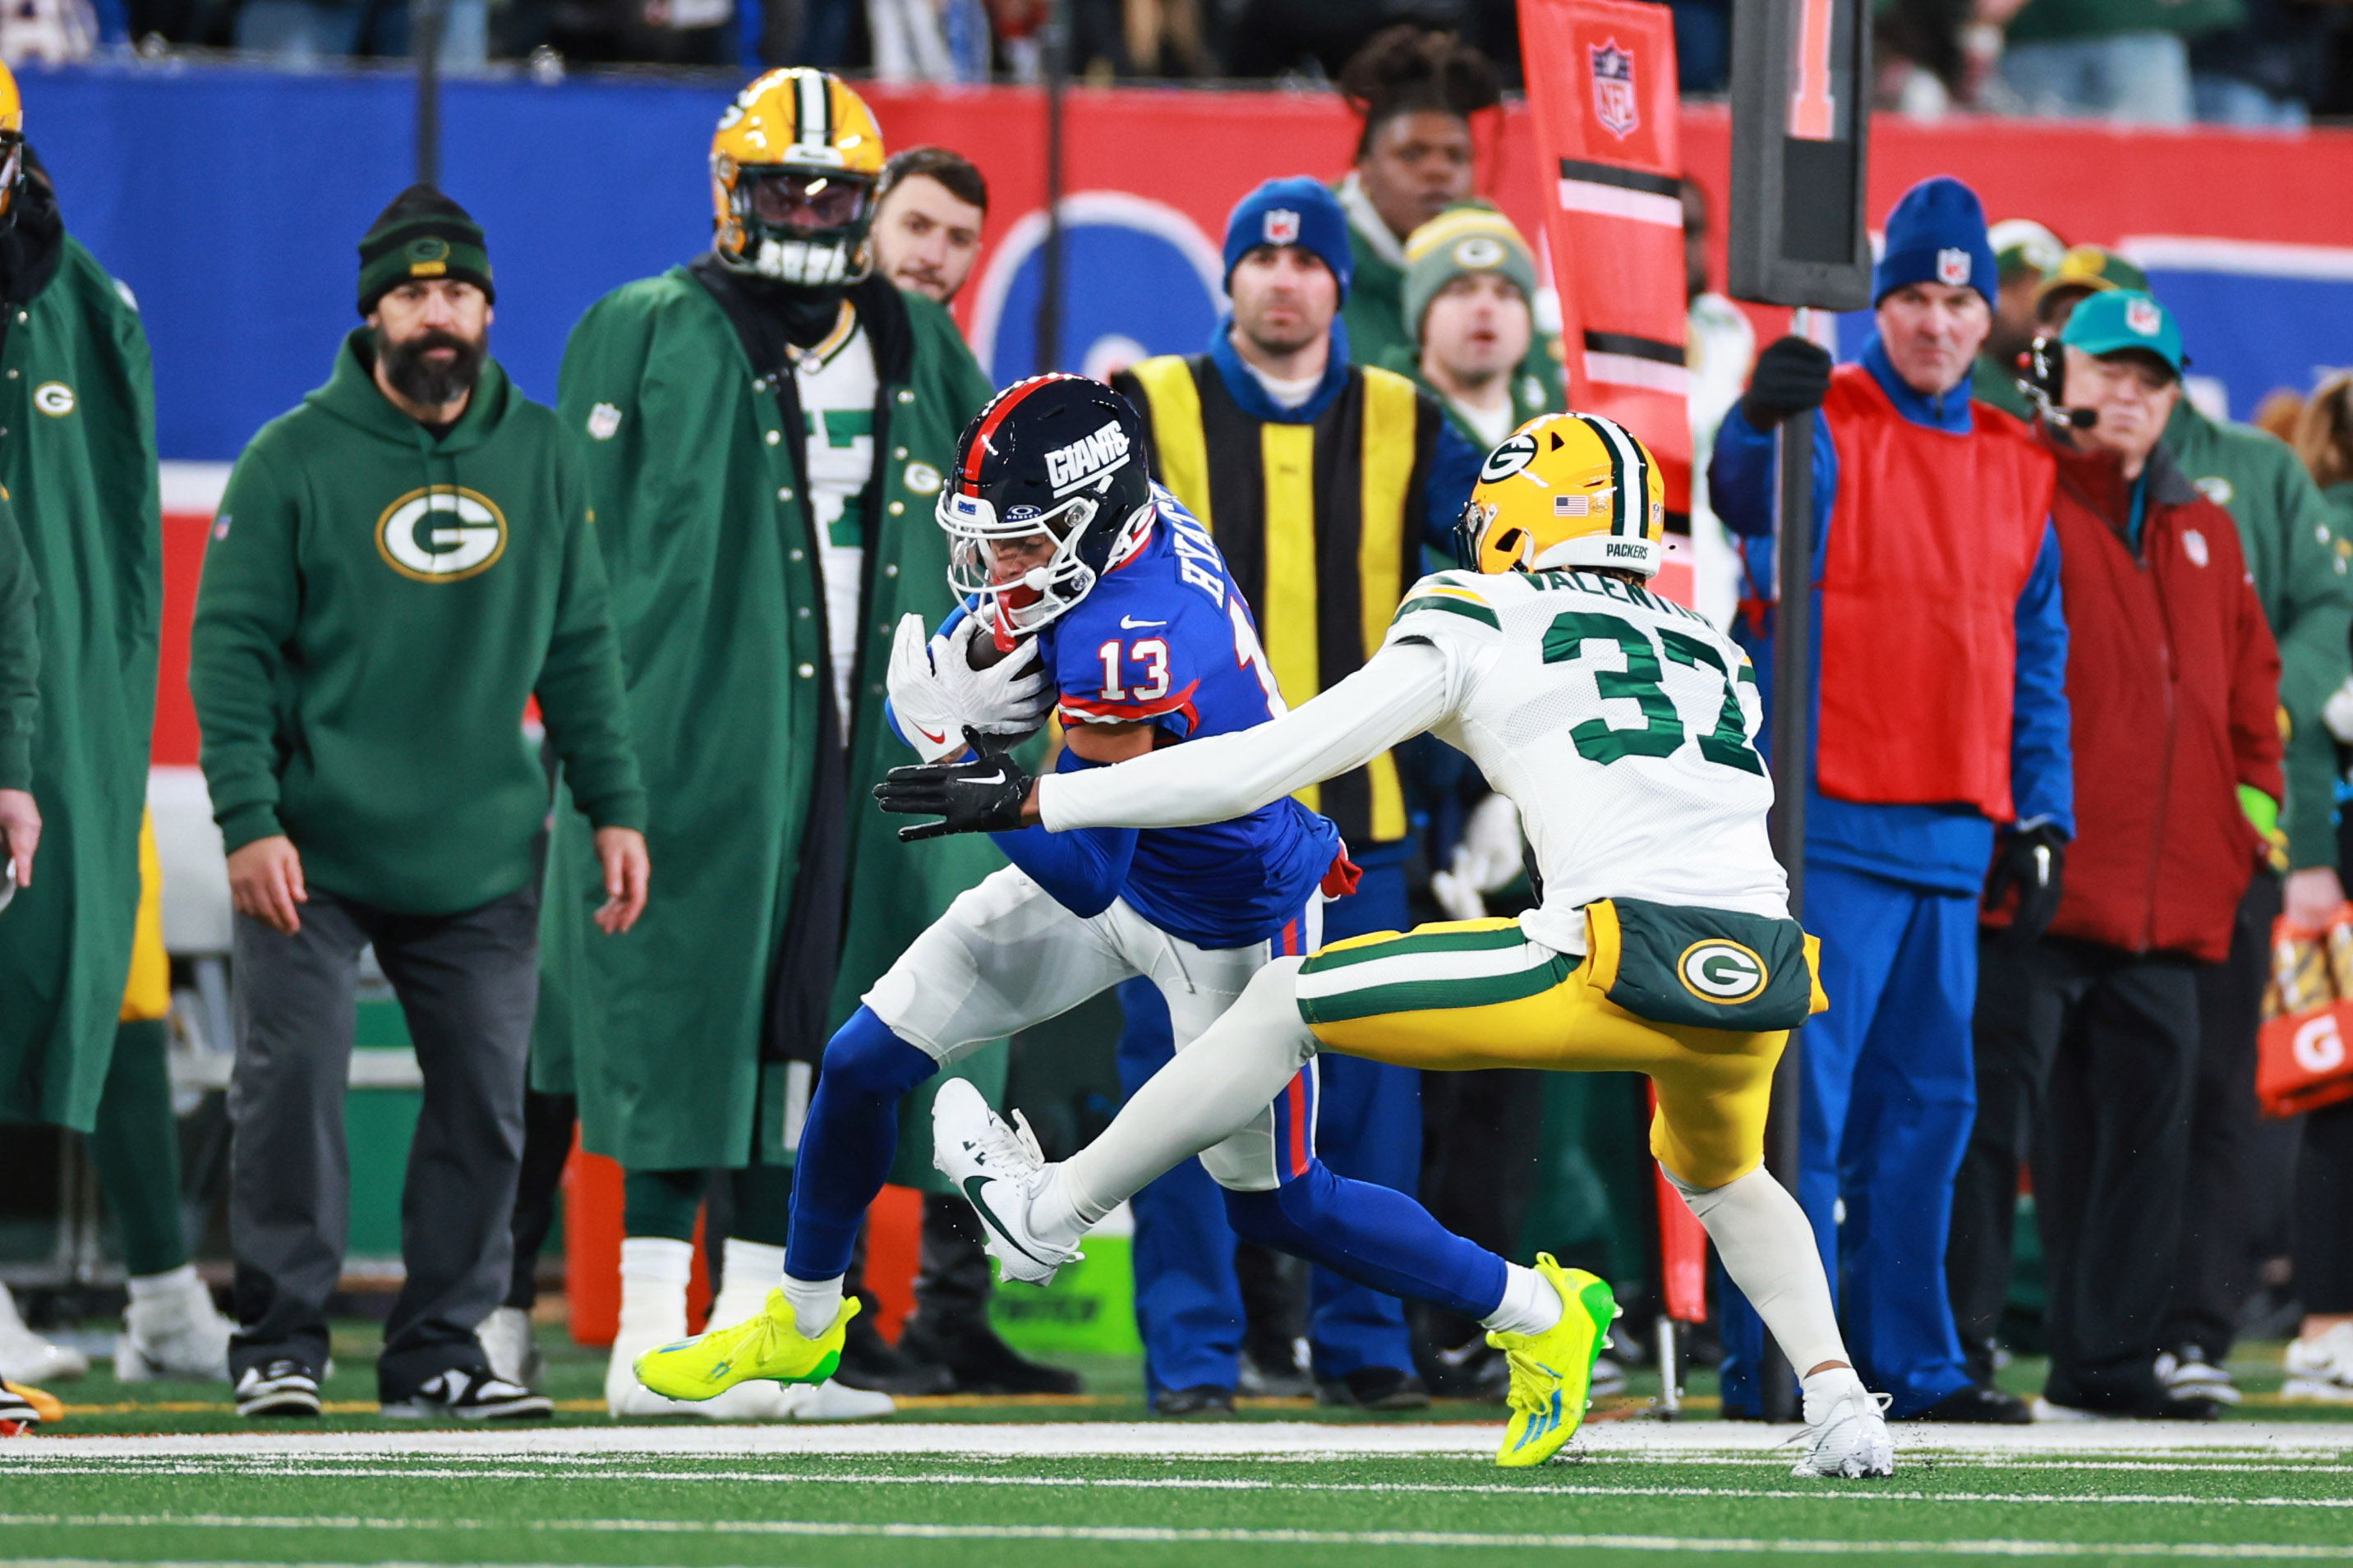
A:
442	535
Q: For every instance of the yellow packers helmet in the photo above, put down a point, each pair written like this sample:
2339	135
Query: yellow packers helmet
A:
12	146
792	166
1566	490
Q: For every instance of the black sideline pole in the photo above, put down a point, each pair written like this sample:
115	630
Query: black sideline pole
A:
425	51
1049	269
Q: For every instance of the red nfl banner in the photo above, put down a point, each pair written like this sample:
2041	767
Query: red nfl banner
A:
1601	92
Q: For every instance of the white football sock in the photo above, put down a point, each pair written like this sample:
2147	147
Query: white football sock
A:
1212	1090
170	1282
1530	1304
1769	1250
654	1271
752	1269
816	1303
1825	1388
1058	1214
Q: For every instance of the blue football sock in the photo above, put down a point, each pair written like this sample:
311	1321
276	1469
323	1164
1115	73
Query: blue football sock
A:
1372	1235
847	1142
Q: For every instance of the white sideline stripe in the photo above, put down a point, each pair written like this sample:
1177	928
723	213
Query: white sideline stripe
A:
908	1530
1293	1441
1234	1484
1617	201
2261	259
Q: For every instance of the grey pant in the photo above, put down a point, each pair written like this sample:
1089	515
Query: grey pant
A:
468	986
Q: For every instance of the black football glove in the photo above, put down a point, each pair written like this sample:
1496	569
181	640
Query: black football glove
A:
1792	376
981	794
2030	862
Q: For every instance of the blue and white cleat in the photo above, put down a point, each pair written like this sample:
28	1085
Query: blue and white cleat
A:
996	1168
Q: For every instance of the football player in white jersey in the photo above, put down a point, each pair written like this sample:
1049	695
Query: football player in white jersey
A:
1621	725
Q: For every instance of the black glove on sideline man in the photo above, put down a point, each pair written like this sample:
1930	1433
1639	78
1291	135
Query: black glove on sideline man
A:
983	794
1792	376
2031	861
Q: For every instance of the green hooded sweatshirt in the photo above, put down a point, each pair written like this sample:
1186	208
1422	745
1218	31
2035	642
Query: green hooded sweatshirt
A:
2297	553
377	607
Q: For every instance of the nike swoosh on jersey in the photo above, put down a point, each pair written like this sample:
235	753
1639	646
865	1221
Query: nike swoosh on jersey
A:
972	1185
1129	623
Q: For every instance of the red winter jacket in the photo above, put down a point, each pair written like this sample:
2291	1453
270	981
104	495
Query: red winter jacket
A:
2173	681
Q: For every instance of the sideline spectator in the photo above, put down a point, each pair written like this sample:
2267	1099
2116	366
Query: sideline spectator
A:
2121	60
2264	73
1936	730
929	207
2088	1034
2320	1361
308	34
2026	253
2298	563
78	465
1470	305
768	428
1322	479
401	654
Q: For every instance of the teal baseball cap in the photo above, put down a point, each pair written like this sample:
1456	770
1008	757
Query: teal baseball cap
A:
2119	319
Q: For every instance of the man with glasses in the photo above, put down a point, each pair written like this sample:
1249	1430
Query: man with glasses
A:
767	430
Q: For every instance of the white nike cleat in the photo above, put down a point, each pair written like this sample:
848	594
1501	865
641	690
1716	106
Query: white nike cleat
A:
26	1357
996	1168
831	1401
176	1332
1846	1433
2320	1370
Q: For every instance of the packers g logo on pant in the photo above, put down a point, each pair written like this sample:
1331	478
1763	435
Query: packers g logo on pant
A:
1721	970
442	535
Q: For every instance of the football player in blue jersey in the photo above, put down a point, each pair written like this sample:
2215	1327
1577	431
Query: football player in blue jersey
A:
1065	550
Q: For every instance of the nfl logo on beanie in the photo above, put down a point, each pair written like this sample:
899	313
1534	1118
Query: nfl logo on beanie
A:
1282	227
1952	267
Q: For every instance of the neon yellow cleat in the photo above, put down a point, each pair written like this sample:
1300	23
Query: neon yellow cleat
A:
768	1345
1551	1371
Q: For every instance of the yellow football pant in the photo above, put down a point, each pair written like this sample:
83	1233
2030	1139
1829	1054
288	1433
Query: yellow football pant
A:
1465	994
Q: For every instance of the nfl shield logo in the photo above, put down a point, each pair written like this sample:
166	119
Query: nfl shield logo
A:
1613	89
1282	226
1953	269
2142	317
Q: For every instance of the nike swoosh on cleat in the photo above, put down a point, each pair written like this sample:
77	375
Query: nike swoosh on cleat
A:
972	1185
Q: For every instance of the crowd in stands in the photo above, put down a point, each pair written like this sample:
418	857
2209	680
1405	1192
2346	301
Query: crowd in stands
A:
2249	63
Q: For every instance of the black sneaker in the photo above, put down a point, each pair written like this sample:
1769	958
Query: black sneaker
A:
1376	1388
471	1393
281	1387
980	1362
1208	1399
1274	1378
1977	1407
869	1361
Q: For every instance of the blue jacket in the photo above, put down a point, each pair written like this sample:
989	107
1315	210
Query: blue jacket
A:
1941	847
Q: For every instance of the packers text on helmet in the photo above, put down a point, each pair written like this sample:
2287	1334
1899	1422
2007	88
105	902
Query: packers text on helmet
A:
1566	490
792	166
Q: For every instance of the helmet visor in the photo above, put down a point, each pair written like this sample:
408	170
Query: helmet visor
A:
802	203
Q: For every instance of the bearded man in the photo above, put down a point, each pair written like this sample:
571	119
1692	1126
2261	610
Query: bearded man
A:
399	566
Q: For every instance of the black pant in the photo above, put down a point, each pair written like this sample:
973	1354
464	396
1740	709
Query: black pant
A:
2216	1257
468	986
2085	1055
2324	1212
547	1122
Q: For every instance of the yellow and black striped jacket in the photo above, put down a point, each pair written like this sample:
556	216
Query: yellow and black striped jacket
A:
1320	524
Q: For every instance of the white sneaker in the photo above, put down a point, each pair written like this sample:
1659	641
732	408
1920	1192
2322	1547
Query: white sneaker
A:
176	1332
26	1357
831	1401
507	1340
1846	1433
2321	1370
996	1168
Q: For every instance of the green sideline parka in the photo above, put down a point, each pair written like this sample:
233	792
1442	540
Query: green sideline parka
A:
78	460
20	655
708	544
378	604
2298	558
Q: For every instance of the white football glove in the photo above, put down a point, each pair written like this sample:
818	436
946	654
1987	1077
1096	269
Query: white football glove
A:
1486	858
936	692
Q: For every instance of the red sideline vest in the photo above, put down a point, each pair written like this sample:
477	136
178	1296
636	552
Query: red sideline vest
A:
1933	537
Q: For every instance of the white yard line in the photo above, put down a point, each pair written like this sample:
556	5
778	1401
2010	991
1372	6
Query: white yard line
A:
1534	1488
1289	1440
1154	1534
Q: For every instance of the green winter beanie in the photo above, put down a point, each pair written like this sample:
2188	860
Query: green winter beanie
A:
1458	240
422	235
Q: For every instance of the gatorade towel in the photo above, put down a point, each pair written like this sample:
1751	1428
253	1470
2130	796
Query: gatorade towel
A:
1601	87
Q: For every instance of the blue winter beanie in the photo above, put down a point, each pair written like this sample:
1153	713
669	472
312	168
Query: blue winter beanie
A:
1297	211
1936	234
